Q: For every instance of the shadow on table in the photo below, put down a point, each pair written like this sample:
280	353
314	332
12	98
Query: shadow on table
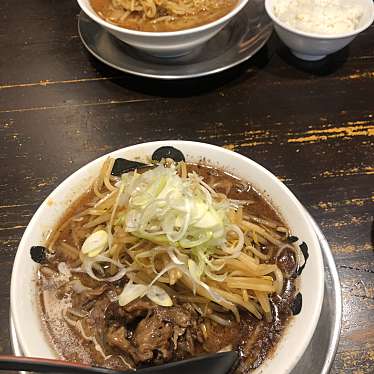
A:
324	67
186	87
275	56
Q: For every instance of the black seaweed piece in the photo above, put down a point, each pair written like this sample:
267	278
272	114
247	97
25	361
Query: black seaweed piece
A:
121	166
297	304
168	152
304	249
38	254
292	239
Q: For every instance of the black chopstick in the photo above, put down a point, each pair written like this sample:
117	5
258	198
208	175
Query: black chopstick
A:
217	363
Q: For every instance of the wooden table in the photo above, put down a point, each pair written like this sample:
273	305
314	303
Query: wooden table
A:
312	124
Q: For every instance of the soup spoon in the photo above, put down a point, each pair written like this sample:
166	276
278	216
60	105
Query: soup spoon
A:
217	363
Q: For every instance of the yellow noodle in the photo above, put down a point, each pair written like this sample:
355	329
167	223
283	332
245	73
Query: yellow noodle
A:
256	252
264	300
278	281
251	283
108	170
248	267
251	226
174	275
245	295
97	221
107	201
95	212
250	306
59	231
203	292
99	181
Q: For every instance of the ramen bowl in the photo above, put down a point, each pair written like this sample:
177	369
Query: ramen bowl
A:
25	309
164	44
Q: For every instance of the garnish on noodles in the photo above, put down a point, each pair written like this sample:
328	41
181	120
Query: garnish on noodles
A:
180	238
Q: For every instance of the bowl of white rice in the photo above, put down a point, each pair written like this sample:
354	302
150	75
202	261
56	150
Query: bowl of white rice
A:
313	29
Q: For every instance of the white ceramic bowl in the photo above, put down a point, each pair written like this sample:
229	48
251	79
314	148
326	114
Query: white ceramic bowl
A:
24	308
164	44
313	47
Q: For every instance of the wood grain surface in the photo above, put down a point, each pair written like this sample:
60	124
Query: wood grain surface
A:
311	124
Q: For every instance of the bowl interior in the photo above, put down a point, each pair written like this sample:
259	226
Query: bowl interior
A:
24	308
365	21
87	8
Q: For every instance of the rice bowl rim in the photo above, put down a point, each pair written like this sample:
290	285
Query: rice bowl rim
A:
277	21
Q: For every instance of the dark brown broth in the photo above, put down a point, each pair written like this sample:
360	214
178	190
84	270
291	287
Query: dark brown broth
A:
254	339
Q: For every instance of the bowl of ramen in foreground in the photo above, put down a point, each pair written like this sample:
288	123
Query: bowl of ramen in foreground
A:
163	251
165	28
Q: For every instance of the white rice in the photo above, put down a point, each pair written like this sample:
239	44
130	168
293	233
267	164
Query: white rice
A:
329	17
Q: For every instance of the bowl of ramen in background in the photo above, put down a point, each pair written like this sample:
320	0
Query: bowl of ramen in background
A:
25	307
153	30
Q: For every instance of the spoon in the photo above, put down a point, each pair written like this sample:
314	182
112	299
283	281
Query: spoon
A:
217	363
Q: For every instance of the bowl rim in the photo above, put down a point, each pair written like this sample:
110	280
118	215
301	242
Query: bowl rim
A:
93	15
274	18
206	148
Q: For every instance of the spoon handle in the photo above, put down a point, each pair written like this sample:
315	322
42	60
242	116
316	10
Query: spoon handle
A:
43	365
217	363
